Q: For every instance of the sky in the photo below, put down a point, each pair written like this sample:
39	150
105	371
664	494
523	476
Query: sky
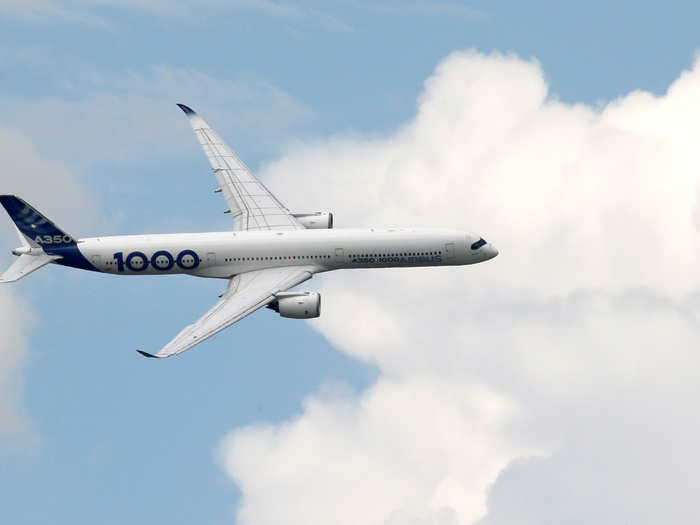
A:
554	384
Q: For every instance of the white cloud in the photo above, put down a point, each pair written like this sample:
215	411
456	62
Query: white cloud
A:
405	448
130	115
59	192
16	319
51	11
425	8
582	333
56	187
88	12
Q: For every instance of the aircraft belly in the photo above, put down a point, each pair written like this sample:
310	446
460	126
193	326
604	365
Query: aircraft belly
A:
216	272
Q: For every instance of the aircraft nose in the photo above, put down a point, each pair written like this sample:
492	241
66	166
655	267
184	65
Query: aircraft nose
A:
490	251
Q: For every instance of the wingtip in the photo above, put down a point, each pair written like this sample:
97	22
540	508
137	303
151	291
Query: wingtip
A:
188	110
146	354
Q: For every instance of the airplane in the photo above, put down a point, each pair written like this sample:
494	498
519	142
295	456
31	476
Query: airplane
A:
269	250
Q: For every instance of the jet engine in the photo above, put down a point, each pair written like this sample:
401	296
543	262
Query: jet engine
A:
297	305
320	220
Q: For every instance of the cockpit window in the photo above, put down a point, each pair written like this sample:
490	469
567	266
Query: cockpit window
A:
478	244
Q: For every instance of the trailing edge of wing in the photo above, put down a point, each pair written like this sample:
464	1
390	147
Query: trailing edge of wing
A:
245	293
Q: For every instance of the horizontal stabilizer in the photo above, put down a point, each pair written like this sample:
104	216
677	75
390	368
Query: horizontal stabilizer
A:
25	265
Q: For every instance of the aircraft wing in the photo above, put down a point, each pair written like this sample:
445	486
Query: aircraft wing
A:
25	265
245	293
251	204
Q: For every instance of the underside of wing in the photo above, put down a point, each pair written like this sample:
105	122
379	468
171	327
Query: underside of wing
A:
245	293
251	204
25	265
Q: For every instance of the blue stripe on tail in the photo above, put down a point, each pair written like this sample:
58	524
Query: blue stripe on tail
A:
37	227
32	223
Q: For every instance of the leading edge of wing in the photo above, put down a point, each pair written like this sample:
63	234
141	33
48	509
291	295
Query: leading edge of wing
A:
246	293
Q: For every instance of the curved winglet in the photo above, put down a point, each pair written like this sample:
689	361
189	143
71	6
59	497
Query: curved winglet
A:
146	354
196	121
188	110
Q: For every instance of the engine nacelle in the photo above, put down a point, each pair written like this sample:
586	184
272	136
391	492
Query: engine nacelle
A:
297	305
26	250
320	220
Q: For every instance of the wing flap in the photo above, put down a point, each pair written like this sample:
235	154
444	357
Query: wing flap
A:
245	293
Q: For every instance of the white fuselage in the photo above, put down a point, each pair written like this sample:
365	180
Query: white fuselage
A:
225	254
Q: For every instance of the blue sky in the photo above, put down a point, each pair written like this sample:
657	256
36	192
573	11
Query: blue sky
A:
115	438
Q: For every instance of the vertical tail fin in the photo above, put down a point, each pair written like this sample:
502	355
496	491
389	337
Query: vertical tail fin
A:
26	241
36	229
42	241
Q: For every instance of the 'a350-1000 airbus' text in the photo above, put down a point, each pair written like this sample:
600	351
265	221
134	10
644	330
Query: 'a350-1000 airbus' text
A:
269	251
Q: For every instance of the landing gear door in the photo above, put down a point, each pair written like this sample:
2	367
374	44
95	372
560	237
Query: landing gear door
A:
450	251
